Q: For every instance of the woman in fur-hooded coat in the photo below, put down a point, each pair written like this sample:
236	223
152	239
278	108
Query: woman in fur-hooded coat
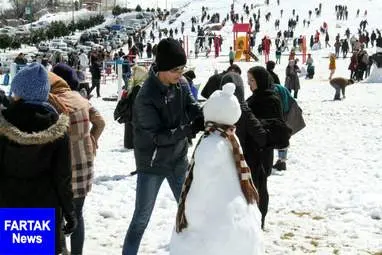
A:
35	168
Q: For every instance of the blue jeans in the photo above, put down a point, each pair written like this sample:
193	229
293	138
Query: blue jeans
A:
146	192
78	236
282	153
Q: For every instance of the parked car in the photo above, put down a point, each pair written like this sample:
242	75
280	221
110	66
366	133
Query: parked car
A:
70	40
85	48
130	30
43	47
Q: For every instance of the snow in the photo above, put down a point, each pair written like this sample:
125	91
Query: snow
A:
327	202
375	75
220	221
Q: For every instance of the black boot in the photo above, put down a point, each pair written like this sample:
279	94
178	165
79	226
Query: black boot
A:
280	165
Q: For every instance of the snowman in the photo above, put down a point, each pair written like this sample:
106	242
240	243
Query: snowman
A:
218	213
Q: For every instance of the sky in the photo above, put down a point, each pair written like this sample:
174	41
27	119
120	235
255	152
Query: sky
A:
329	199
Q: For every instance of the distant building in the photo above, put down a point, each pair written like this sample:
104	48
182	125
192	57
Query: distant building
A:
95	5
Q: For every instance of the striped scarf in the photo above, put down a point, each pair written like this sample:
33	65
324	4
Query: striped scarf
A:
244	173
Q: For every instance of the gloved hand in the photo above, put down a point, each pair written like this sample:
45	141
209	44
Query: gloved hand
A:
197	125
71	223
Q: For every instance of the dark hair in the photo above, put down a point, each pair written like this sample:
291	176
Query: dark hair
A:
271	65
234	68
263	78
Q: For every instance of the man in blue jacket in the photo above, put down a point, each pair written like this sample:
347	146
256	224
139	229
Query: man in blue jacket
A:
164	116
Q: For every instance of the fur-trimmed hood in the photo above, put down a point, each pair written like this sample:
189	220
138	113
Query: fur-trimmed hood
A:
48	135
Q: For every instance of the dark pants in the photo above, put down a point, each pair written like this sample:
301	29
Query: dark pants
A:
96	83
78	237
260	180
128	136
295	92
231	62
260	170
146	193
337	95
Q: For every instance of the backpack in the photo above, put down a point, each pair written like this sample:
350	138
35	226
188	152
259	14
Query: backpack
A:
124	110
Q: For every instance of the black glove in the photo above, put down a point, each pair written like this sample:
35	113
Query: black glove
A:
197	125
71	223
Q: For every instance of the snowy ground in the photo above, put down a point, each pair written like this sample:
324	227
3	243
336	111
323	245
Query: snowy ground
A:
327	202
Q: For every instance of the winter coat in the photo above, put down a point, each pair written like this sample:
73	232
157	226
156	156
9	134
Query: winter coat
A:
342	82
83	59
332	62
353	63
95	70
212	84
292	81
275	77
265	104
86	126
34	158
161	117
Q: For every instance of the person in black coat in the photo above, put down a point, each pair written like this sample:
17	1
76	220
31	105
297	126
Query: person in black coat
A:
31	130
265	104
165	114
253	139
215	81
95	70
270	67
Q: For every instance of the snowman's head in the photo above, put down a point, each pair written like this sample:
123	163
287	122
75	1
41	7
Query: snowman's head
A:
222	107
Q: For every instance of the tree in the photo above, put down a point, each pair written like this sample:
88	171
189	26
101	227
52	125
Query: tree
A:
76	5
18	7
5	41
116	10
138	8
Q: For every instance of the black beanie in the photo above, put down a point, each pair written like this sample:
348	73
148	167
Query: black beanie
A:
170	54
68	74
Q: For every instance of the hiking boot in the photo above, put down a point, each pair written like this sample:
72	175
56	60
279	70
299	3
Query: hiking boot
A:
280	165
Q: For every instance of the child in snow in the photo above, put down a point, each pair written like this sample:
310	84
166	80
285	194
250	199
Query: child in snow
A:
339	84
231	56
332	65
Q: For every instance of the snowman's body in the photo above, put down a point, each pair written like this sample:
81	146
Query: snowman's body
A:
220	221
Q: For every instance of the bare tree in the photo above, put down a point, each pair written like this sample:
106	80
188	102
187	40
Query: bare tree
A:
18	6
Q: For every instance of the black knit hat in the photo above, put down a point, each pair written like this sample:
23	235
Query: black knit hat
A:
68	74
170	54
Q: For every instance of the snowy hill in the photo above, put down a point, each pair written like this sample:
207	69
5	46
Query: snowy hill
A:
327	202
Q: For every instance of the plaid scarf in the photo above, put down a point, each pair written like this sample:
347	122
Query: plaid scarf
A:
244	173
